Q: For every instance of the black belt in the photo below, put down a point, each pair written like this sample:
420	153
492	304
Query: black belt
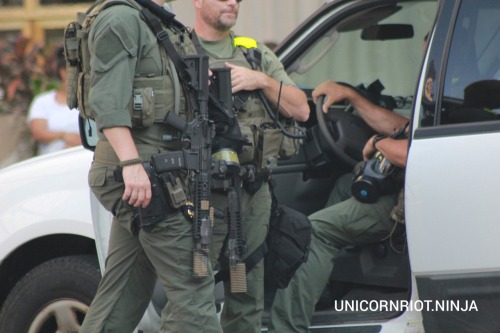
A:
251	185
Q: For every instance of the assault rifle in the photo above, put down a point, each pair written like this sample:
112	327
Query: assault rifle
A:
224	112
196	156
228	142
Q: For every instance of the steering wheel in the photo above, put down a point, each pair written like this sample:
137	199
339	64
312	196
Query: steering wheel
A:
345	133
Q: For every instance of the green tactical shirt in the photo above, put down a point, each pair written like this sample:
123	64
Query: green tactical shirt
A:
253	114
224	49
117	39
122	48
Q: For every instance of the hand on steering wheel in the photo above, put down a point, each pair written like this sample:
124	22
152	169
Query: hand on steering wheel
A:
344	132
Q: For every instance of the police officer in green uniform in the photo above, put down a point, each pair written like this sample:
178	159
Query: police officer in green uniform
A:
345	220
214	18
127	63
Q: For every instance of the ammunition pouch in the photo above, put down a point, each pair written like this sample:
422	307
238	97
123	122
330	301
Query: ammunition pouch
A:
262	146
268	141
152	99
82	93
73	62
265	143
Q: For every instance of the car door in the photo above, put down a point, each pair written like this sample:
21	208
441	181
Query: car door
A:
453	176
334	44
330	46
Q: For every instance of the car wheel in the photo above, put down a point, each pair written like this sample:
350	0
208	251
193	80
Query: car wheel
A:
53	297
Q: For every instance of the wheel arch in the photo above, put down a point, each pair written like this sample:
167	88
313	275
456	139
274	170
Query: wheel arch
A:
37	251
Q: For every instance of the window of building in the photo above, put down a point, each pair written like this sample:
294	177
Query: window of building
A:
7	3
68	2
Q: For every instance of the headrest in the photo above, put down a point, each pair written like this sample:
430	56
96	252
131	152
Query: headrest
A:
482	94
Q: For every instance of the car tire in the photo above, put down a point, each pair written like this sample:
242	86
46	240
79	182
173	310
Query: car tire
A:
52	297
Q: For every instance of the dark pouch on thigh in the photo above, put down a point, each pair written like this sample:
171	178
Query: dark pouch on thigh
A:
286	246
158	208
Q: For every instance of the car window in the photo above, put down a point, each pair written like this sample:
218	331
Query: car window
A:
368	46
471	88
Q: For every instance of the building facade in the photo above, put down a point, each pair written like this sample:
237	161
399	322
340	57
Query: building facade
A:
43	21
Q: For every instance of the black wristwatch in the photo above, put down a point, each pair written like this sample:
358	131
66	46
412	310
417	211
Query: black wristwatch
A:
377	138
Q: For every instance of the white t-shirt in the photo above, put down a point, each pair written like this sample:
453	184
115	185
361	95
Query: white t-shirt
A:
59	118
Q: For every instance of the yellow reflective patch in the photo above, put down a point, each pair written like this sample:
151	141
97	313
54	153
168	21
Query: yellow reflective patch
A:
246	42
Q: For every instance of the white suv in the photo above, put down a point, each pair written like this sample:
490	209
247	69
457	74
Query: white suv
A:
442	274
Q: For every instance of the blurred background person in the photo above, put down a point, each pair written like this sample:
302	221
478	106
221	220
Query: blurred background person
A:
53	125
21	63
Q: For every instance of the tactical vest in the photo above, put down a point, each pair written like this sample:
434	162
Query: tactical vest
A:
266	144
252	114
152	98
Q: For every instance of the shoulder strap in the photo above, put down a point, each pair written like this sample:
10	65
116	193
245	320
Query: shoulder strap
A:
167	17
115	2
250	262
196	42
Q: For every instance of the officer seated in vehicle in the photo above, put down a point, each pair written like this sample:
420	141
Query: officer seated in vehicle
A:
347	220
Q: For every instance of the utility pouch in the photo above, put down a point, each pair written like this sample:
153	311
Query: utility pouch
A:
158	208
268	142
72	87
288	243
290	146
73	64
175	193
143	102
152	98
82	94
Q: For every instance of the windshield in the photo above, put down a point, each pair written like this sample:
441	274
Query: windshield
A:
385	43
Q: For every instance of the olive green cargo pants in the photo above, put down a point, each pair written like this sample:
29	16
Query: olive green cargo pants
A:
345	221
242	312
134	262
132	266
120	311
